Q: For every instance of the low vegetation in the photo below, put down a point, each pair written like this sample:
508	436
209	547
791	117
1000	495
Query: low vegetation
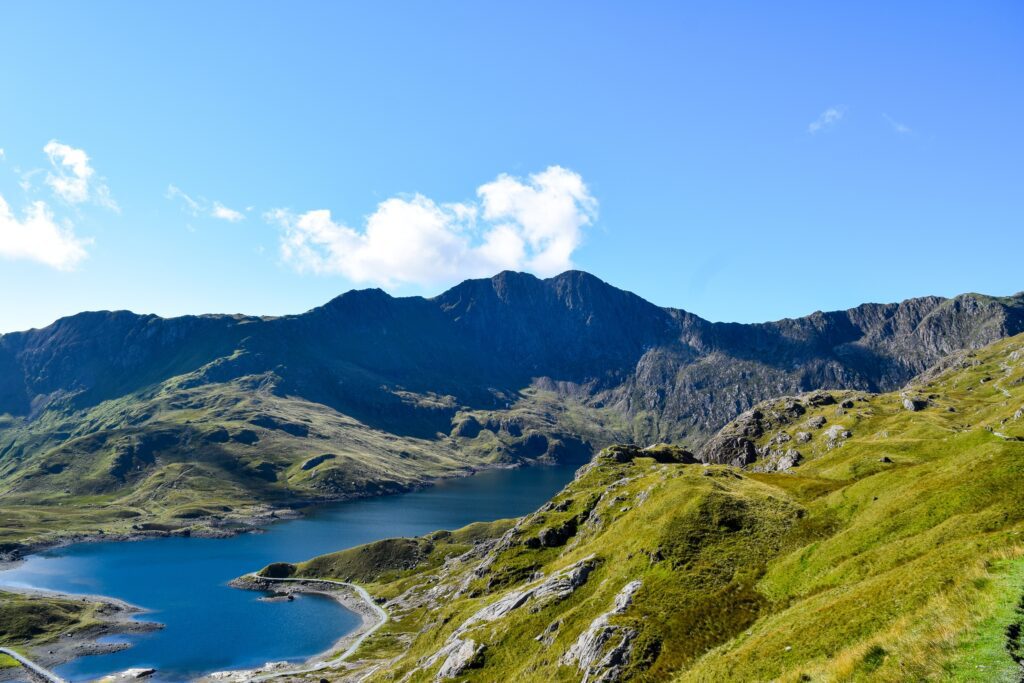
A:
888	548
27	620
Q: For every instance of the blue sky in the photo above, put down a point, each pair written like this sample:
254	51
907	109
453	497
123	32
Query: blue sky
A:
739	160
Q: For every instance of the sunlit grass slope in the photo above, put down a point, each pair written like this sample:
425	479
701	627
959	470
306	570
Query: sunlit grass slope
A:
892	552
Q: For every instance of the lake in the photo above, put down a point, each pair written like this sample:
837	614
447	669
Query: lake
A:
210	626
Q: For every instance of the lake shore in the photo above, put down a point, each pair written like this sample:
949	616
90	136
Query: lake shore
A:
348	596
254	521
115	618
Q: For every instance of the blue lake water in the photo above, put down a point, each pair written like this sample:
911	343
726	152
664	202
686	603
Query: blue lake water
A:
210	626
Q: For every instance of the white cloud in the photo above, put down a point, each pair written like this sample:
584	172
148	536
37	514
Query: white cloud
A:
74	179
224	213
897	126
534	224
828	118
3	154
201	206
38	237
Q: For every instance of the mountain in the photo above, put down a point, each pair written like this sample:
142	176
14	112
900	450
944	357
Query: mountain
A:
176	422
887	547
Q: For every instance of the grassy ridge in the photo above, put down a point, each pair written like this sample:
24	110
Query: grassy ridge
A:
892	552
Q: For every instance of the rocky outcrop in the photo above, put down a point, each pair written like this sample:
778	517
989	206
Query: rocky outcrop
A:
553	589
736	445
914	404
461	652
603	651
664	453
458	656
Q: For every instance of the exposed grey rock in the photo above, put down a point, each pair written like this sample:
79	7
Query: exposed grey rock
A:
914	404
821	399
816	422
461	655
836	432
836	435
603	650
548	636
737	451
789	460
564	583
557	587
778	460
456	655
660	452
803	437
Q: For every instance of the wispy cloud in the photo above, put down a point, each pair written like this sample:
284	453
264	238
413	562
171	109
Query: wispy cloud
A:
534	223
38	237
827	119
225	214
900	128
73	179
200	206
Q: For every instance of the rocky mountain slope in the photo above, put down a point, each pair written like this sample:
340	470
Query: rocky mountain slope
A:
887	548
128	422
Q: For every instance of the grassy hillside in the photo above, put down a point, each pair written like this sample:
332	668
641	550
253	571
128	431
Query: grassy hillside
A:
891	551
190	456
27	620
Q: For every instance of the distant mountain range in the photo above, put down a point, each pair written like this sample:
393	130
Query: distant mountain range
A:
371	391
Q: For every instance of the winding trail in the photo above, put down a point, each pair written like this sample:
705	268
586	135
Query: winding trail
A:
381	613
35	672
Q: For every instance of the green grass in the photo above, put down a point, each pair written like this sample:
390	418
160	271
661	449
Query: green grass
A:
891	555
33	619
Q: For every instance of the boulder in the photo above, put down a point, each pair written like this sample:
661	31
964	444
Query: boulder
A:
790	459
737	451
914	404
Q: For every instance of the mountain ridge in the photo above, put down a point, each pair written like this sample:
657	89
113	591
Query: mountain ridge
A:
179	418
